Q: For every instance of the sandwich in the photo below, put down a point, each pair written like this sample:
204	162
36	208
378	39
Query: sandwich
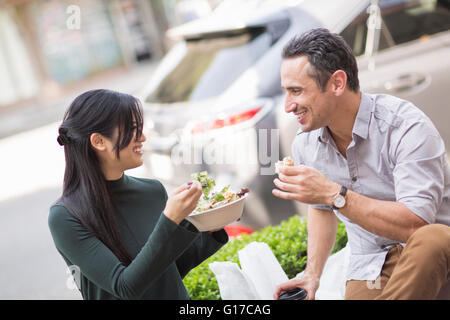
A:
287	162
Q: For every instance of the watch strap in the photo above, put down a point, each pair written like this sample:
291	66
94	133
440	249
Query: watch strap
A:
342	192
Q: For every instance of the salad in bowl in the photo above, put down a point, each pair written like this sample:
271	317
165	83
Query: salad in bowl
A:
216	208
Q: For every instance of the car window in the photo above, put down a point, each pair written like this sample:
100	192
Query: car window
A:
356	35
210	65
403	22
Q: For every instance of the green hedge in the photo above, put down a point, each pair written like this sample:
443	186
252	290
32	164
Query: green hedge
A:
288	242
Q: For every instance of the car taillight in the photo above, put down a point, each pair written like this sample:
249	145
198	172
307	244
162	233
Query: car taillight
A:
222	122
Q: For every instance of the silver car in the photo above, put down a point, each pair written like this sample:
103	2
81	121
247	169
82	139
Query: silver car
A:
215	102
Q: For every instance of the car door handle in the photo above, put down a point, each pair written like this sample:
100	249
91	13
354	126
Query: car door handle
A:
404	82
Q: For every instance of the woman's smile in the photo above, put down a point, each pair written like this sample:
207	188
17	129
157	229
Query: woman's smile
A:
138	150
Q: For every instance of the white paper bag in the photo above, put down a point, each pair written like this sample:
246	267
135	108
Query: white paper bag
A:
260	274
233	283
333	279
262	267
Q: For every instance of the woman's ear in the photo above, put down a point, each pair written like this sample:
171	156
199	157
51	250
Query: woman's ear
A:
98	141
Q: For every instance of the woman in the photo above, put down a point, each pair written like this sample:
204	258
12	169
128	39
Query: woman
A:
125	236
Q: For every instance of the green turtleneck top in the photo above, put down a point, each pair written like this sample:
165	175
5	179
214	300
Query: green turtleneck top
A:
163	252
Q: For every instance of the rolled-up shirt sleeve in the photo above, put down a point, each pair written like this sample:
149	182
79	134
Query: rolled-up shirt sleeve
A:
419	170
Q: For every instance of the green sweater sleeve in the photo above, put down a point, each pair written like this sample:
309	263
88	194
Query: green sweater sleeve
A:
202	248
164	246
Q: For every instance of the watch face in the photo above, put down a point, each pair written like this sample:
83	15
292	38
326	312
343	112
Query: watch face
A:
339	201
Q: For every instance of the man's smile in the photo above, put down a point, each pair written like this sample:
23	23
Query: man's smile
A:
301	115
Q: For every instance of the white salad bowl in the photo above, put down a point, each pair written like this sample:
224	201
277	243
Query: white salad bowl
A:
217	218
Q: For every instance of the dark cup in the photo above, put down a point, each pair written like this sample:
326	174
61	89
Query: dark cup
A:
293	294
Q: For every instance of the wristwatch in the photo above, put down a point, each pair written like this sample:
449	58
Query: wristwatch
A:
339	200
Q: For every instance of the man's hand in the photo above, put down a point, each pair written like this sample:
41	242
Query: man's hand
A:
305	184
307	282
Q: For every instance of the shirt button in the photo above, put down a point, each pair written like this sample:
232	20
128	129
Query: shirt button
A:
354	179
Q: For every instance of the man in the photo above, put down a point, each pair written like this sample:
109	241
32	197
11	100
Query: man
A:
374	160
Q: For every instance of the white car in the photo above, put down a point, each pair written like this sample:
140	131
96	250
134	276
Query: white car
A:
215	102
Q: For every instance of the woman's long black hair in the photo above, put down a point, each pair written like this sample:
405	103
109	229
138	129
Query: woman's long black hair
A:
85	191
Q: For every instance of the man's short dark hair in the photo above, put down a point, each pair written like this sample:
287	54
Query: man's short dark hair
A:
327	52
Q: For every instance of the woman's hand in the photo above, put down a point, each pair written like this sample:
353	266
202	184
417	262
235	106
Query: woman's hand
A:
307	282
183	201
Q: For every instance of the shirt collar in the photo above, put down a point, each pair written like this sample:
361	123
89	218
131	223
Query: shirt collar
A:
362	121
324	135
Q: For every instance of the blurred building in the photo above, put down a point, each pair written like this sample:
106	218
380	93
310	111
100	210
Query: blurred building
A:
48	45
